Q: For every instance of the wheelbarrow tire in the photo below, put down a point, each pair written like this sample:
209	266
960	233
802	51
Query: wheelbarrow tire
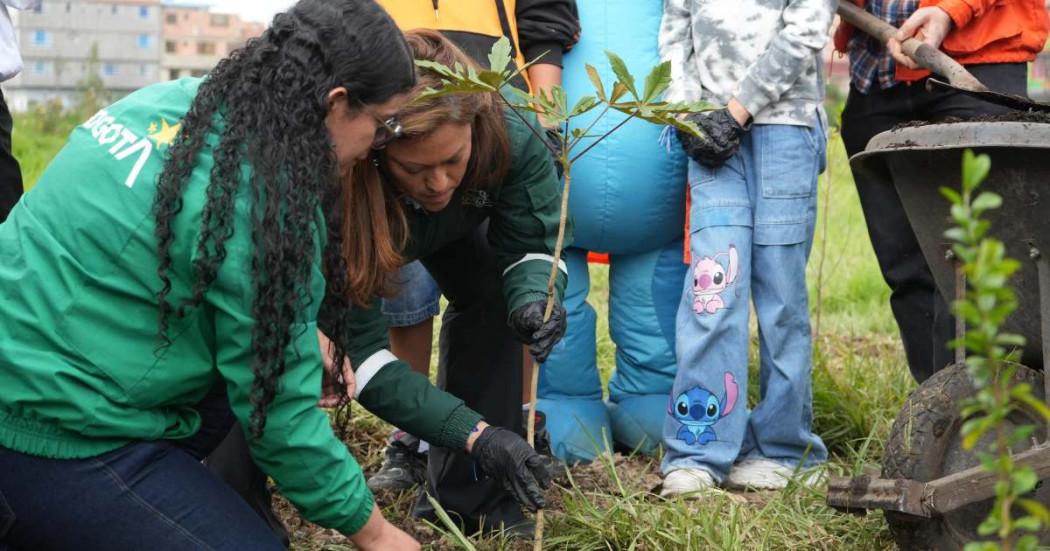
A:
925	444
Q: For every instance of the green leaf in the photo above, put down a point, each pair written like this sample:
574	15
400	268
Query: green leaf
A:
659	79
623	76
619	89
951	195
1036	509
450	526
499	57
975	169
596	79
584	105
1023	480
987	201
1027	524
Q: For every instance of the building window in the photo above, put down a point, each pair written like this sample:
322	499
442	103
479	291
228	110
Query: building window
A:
144	12
198	72
69	7
206	48
145	40
39	8
172	18
171	47
110	70
40	68
113	10
143	70
41	38
220	20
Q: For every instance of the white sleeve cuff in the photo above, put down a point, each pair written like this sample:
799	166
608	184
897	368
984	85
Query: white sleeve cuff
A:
537	256
369	368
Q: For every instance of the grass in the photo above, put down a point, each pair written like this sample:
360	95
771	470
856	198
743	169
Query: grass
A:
860	381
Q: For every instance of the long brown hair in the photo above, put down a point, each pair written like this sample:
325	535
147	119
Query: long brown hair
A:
375	229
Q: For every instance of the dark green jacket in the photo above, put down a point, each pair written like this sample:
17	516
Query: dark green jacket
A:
523	214
78	322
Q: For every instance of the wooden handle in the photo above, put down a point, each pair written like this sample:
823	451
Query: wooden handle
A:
927	57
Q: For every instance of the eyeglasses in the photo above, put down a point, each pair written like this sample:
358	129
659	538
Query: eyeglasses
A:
387	130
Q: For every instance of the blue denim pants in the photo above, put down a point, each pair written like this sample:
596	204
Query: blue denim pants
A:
418	298
146	495
751	230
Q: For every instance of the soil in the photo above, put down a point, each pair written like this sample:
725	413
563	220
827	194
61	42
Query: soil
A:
1012	116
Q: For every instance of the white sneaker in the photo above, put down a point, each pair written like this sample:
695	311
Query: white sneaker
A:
686	481
765	474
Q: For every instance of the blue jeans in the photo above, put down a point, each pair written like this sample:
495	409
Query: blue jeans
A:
417	299
146	495
751	231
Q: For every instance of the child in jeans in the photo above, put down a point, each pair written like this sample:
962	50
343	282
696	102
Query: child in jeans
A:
753	186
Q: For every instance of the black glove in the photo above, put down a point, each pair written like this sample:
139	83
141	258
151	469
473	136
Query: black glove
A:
507	457
527	322
721	138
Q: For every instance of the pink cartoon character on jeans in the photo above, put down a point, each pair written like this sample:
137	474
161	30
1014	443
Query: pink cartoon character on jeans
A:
711	278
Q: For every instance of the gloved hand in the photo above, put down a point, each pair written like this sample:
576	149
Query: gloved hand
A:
722	138
527	322
507	457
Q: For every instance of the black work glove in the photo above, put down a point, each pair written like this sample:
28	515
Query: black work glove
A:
507	457
721	138
527	322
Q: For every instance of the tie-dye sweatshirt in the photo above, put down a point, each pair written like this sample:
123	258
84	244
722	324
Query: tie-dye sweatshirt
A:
766	53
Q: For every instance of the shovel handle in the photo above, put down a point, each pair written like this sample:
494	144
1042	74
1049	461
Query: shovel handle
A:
927	57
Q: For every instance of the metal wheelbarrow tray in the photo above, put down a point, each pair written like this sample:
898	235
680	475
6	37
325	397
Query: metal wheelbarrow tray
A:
934	492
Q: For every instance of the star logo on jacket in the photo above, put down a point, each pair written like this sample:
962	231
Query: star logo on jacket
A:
165	134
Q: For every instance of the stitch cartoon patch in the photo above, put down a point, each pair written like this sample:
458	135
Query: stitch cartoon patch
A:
711	278
697	409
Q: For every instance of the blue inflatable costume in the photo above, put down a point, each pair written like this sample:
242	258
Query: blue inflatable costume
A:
628	200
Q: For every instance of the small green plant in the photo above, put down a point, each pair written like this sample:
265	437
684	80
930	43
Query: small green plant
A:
552	107
987	303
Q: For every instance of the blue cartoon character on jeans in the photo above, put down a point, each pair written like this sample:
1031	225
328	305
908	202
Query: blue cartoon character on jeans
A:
698	408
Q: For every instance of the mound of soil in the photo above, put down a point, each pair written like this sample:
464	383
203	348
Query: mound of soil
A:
1012	116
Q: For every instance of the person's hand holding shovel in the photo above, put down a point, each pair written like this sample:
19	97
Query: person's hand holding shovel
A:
930	25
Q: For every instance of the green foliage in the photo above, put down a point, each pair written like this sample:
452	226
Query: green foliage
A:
552	106
987	303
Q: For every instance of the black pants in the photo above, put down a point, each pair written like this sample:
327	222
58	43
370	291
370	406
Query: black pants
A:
10	172
479	362
922	314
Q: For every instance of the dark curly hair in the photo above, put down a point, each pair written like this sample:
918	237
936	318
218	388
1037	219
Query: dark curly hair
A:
266	104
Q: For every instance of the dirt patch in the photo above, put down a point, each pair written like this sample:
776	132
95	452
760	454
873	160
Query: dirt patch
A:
1013	116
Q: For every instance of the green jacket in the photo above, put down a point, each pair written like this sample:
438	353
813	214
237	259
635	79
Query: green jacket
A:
523	214
78	322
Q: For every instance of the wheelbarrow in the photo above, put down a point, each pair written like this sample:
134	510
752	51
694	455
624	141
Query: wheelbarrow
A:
934	492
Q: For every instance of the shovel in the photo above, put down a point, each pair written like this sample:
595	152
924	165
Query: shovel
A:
959	79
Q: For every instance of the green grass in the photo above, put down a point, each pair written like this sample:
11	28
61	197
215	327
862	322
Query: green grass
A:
860	380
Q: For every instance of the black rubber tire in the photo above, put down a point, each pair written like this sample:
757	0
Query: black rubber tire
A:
925	444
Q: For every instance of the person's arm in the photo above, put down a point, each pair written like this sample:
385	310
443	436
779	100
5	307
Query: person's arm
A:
676	46
524	223
546	30
389	388
298	449
803	33
932	22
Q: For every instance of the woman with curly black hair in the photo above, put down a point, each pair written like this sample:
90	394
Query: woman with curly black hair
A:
171	263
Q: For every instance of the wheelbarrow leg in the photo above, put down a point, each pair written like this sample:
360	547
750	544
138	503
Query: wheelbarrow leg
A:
1042	265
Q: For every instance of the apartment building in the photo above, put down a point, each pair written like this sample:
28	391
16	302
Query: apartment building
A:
64	41
195	39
